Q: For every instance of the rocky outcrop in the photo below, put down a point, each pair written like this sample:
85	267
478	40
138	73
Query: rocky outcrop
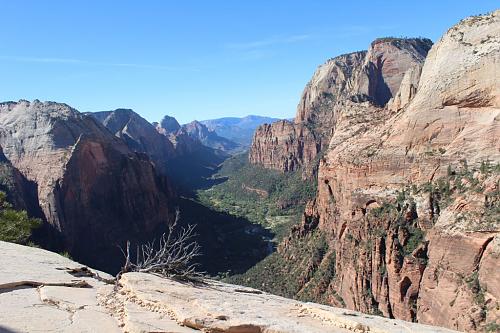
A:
168	125
174	152
407	89
200	132
348	84
193	162
42	291
92	189
21	193
283	146
410	202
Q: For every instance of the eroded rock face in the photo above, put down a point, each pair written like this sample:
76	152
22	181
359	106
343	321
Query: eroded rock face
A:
21	193
407	89
431	143
139	135
42	291
91	187
346	84
192	163
283	146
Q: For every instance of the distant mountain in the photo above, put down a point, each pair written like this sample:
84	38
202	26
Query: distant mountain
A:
177	154
210	138
236	129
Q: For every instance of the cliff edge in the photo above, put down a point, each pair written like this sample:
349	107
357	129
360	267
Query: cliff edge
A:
43	291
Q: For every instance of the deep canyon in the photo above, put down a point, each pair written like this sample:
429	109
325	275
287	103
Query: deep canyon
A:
381	196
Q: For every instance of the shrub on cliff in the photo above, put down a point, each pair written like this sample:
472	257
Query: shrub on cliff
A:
15	226
171	257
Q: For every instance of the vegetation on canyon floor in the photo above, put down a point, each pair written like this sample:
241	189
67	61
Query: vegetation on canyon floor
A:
270	198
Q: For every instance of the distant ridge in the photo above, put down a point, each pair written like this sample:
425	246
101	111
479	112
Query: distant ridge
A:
237	129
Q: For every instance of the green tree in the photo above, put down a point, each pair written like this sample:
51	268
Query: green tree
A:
15	225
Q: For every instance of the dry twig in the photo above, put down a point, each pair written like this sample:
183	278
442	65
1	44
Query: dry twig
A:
171	257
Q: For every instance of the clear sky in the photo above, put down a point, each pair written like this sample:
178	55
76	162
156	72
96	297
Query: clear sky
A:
195	59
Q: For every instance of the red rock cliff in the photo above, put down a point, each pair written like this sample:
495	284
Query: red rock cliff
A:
346	84
91	187
409	198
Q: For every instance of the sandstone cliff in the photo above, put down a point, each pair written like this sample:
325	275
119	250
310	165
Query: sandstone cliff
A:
408	196
138	134
21	193
175	152
343	87
92	189
42	291
194	162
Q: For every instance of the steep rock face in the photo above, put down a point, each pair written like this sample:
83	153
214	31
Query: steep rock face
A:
192	163
20	192
139	135
345	84
283	146
91	187
174	152
431	148
407	89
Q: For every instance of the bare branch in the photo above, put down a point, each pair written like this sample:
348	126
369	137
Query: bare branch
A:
171	258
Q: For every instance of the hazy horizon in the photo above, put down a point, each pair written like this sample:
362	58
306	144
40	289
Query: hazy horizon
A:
195	60
200	119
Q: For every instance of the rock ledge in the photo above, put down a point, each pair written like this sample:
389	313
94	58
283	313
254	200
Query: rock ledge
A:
43	291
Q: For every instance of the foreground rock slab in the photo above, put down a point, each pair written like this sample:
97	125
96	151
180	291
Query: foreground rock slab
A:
41	291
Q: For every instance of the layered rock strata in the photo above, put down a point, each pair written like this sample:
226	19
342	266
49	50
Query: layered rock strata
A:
139	135
175	152
92	189
410	202
357	82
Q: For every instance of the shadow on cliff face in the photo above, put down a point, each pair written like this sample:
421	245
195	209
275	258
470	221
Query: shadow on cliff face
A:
189	177
228	243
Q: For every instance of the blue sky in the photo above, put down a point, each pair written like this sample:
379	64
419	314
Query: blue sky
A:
195	59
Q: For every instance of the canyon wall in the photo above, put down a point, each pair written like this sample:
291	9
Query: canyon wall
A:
176	153
409	199
347	84
92	189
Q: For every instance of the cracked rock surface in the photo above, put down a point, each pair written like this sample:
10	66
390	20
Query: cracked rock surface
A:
41	291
